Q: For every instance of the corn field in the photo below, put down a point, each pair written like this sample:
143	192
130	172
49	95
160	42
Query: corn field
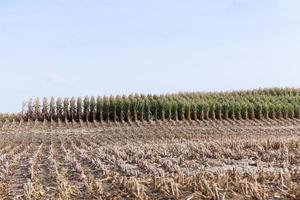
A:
226	145
274	103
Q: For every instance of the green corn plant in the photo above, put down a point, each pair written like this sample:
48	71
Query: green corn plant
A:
168	109
160	109
174	110
251	111
141	109
66	114
151	105
258	111
218	111
231	110
265	110
296	110
144	107
138	107
237	110
194	111
119	109
205	111
200	111
154	105
148	115
206	108
272	114
244	111
284	111
225	110
144	99
211	111
112	109
125	111
86	108
187	111
126	107
106	108
291	111
278	111
295	92
79	109
92	109
180	110
133	108
99	112
72	112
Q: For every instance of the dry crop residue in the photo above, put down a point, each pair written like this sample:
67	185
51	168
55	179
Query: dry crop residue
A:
157	160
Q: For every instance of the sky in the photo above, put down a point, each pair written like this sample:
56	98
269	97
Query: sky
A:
108	47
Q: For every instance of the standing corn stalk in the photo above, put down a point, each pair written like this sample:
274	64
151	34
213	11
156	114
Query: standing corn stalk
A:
256	104
187	111
278	111
86	106
148	110
52	109
212	114
99	109
160	109
119	109
251	112
231	111
92	117
272	113
66	109
36	109
72	109
126	108
206	109
113	109
106	109
79	109
174	110
244	111
59	109
218	111
29	110
168	110
238	110
258	111
297	110
45	114
225	111
180	110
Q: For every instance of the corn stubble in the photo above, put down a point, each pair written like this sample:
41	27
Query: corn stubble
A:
163	160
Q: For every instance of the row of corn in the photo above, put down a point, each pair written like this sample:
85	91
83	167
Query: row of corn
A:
274	103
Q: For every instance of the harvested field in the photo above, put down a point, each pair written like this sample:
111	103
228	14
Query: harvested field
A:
225	159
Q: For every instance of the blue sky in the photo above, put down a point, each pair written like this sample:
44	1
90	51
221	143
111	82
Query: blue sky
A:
77	47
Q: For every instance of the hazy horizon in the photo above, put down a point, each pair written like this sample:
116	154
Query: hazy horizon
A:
77	48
